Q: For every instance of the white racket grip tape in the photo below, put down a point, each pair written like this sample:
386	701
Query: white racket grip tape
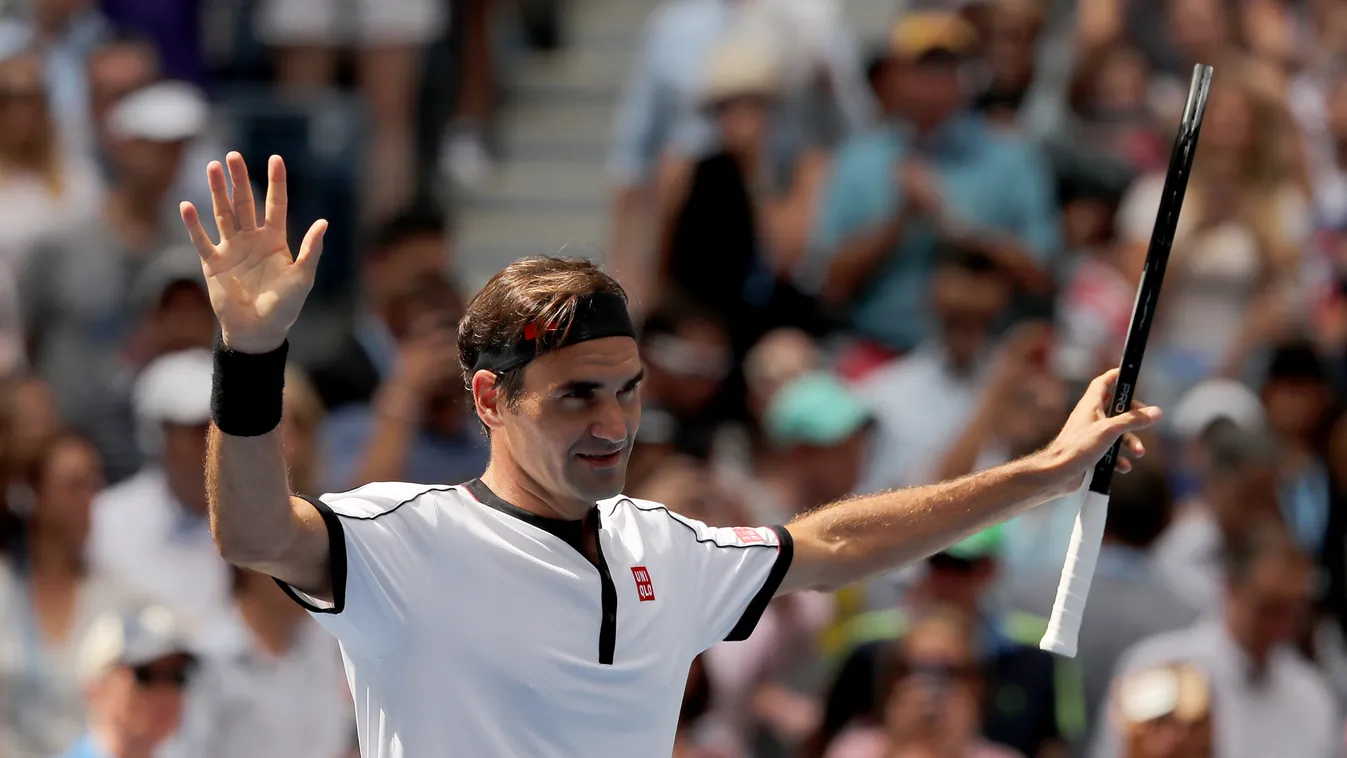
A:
1077	573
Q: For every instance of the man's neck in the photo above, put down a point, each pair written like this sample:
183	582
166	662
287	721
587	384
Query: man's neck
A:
509	482
115	745
53	556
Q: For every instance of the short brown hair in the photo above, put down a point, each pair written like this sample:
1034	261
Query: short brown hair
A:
534	289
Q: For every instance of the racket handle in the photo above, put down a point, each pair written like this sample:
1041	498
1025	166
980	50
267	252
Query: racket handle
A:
1077	573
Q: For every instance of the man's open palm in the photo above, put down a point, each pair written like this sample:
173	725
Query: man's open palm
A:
256	286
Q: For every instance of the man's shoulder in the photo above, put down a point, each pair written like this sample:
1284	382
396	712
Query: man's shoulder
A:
141	492
1189	643
377	499
868	153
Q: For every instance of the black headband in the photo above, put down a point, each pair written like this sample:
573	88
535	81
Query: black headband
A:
602	314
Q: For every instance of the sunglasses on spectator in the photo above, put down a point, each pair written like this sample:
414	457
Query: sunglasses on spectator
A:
686	359
152	675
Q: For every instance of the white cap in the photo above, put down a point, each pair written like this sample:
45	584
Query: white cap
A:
132	639
160	112
175	389
1213	400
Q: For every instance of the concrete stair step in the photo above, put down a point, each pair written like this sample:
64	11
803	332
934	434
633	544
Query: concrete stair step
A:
579	74
579	186
542	131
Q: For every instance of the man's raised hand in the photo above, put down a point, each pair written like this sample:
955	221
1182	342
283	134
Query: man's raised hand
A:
256	286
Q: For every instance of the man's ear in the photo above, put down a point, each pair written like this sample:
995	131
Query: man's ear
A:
486	399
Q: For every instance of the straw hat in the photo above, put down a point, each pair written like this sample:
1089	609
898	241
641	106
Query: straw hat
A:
741	65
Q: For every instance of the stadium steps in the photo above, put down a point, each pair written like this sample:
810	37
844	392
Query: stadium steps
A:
550	187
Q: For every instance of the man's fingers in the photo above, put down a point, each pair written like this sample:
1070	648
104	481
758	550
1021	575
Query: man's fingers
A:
1102	387
1132	444
311	249
200	240
219	198
245	207
1123	465
277	198
1131	421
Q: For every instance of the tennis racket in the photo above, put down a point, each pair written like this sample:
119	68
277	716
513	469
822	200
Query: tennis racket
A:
1092	508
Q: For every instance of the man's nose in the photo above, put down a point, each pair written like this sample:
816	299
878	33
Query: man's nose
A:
610	422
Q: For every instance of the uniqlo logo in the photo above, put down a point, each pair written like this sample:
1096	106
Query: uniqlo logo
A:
644	589
748	534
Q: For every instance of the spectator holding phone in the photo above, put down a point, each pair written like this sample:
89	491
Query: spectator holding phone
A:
932	692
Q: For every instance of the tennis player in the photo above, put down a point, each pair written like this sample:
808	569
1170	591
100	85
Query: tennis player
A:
534	612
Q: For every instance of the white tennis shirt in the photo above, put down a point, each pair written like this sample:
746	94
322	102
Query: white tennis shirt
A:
472	628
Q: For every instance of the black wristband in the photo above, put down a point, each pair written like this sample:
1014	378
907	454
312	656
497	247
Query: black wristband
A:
247	390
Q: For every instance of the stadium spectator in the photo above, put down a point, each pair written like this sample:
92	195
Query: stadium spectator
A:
1166	712
49	601
734	211
407	252
79	285
1297	395
1267	699
389	38
44	185
1129	602
136	667
1018	408
418	427
658	115
930	693
1238	491
687	362
34	425
1021	682
150	532
279	693
1233	278
64	33
967	294
935	172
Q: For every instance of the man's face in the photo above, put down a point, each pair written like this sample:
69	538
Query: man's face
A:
145	165
1295	406
687	368
1270	608
1240	498
832	472
574	423
928	93
184	318
959	583
184	457
71	478
967	305
403	268
145	703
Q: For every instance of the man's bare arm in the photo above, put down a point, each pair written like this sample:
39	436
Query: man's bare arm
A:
257	288
256	522
858	538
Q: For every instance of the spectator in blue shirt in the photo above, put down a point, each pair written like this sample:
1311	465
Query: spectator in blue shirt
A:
933	171
137	668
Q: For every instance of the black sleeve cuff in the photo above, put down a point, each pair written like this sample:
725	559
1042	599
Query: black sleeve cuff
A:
755	609
336	547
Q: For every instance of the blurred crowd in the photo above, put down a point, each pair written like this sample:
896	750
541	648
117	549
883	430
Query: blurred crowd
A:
860	258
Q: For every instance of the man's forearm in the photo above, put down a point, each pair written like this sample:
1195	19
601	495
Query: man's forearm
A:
252	516
858	259
860	537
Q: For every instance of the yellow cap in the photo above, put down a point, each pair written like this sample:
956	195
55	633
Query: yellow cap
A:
924	32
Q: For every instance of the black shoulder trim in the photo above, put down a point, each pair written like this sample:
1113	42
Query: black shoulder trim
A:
755	609
336	547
